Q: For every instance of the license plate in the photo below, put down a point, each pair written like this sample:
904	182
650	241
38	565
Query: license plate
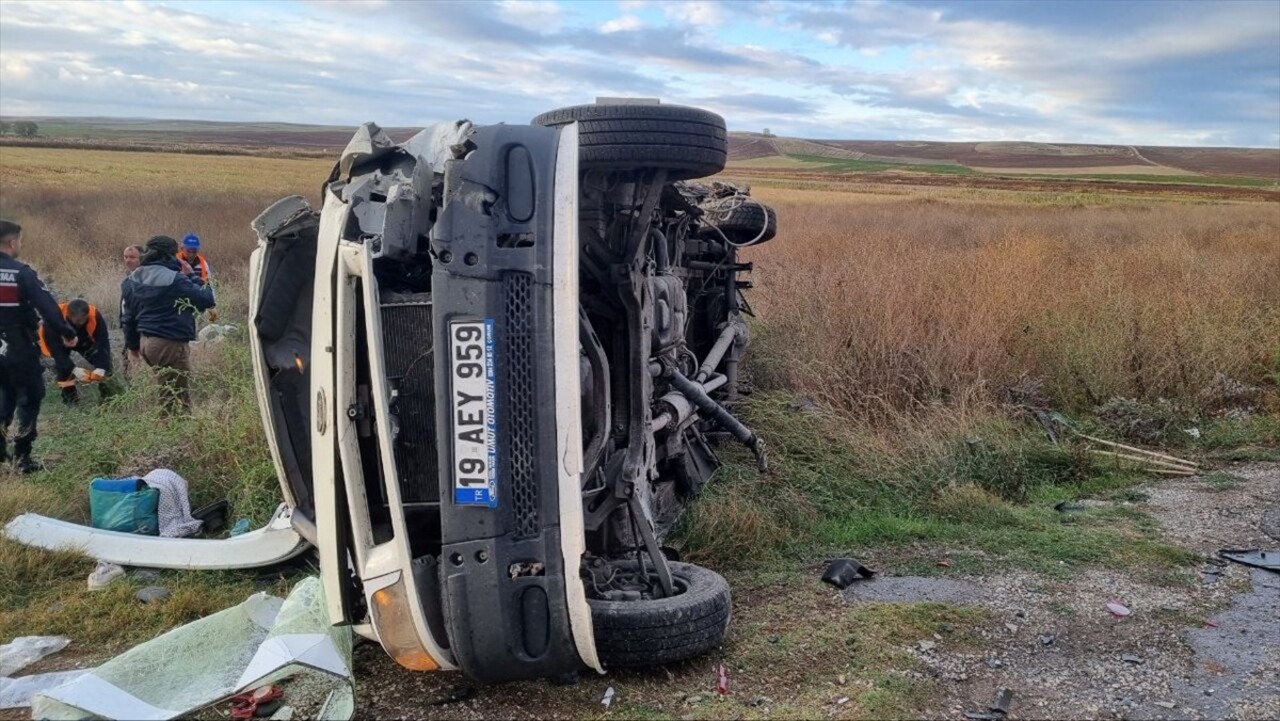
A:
475	441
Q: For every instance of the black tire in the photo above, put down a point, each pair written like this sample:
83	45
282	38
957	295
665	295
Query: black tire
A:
743	220
686	142
657	631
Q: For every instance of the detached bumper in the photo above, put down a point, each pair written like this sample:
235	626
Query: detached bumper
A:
514	604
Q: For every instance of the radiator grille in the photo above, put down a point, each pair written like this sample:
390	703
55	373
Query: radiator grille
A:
517	291
410	363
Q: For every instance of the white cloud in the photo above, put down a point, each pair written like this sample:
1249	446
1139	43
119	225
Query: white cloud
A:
621	24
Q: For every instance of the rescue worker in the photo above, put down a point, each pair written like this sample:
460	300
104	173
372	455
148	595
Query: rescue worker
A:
196	266
92	343
22	298
159	318
191	254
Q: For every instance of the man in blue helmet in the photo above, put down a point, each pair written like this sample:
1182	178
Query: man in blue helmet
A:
191	254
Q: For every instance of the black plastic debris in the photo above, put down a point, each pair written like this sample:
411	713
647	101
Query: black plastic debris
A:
1068	507
995	711
213	515
1270	560
842	572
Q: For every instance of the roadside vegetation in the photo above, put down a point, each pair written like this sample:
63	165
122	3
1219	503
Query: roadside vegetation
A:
907	344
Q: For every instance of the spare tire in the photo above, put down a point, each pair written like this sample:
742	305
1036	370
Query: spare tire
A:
649	632
742	219
686	142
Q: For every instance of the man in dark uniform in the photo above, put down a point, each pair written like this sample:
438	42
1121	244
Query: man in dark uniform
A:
92	343
22	298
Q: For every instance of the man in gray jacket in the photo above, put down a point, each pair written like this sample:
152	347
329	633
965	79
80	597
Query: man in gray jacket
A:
160	304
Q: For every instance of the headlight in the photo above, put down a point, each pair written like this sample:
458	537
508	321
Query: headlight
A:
393	622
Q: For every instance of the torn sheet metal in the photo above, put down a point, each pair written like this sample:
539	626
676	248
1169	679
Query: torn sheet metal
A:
206	662
369	142
274	543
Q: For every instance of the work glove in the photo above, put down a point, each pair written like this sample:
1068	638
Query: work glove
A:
81	374
213	315
97	375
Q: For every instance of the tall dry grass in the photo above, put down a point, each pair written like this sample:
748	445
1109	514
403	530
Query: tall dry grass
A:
883	305
79	209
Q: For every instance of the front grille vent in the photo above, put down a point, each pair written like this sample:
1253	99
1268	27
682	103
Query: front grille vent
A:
517	291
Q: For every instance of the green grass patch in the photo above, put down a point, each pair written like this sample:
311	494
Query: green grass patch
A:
988	486
823	164
218	449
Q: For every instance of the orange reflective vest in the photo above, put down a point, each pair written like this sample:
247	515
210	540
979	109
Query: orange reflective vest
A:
91	327
201	265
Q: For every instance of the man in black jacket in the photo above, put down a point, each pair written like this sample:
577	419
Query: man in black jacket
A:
23	301
160	306
93	343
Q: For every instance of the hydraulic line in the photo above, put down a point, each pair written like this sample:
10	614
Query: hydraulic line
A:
695	392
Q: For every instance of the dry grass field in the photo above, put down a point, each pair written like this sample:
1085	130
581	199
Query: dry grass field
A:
903	331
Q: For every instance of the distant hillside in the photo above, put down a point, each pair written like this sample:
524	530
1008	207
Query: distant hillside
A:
1246	166
759	151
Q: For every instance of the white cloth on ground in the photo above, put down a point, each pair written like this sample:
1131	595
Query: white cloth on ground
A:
174	507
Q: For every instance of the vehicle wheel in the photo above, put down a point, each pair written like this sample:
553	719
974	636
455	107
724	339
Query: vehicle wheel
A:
649	632
686	142
742	219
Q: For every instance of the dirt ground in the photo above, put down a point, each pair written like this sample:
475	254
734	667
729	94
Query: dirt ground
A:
1192	648
1198	644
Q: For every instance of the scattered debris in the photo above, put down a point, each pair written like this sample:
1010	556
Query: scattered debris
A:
1003	702
1047	639
607	701
722	683
217	657
1192	431
1013	627
944	562
774	638
842	700
18	692
995	711
104	574
1269	560
1131	658
1166	704
26	650
272	544
257	703
1118	609
842	572
1211	624
241	527
152	594
994	663
926	646
461	692
841	680
1068	507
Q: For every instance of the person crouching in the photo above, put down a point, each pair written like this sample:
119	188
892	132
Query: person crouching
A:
160	304
92	343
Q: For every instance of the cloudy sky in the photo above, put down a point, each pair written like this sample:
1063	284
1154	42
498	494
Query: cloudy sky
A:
1149	72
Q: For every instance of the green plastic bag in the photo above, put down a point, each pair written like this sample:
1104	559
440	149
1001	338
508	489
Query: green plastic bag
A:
124	504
